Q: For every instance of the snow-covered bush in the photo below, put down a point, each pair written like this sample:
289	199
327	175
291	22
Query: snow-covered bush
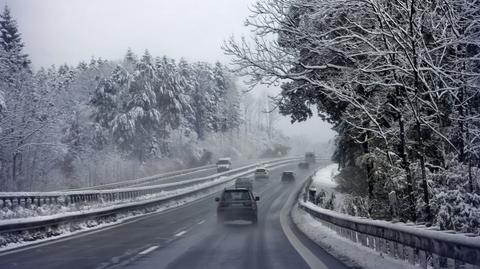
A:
355	206
456	205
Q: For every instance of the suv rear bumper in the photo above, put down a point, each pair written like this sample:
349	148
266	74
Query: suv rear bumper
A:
237	214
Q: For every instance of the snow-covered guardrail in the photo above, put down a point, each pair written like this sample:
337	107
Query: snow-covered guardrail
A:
144	180
15	231
66	198
416	244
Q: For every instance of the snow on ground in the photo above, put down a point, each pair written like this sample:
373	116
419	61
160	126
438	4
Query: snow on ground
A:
352	254
35	213
323	179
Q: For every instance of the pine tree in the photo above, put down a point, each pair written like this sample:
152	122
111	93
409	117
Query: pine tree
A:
135	128
11	40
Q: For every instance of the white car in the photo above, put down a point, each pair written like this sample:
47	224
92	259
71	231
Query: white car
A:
261	172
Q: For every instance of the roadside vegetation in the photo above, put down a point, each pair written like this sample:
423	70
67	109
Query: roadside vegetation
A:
399	80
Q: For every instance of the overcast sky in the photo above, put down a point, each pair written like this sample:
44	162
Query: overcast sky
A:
68	31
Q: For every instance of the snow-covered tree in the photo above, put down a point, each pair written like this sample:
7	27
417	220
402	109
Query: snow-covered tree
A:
398	80
11	40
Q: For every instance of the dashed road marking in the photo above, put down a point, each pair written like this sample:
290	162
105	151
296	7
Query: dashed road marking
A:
148	250
201	222
180	233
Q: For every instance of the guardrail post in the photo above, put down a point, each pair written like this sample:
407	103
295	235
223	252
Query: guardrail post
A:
436	261
400	251
451	263
391	249
377	244
422	258
410	254
27	202
363	239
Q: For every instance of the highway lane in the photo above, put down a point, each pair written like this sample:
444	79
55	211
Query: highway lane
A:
238	244
185	237
197	174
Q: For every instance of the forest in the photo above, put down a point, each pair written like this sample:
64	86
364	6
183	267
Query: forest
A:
108	120
399	80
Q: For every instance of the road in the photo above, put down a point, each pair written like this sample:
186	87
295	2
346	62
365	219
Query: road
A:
196	174
186	237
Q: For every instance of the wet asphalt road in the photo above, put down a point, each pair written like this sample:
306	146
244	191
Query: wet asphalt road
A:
184	237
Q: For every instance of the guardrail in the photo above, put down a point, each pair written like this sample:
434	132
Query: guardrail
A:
416	244
143	180
27	199
48	226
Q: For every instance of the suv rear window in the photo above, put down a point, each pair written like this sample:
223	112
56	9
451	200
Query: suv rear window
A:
223	162
236	195
261	170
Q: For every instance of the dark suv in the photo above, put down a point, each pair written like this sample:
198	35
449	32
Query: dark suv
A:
237	204
288	176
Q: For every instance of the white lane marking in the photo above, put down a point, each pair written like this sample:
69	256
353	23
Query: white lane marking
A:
148	250
311	259
201	222
180	233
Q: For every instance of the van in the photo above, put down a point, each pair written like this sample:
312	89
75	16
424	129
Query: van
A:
223	164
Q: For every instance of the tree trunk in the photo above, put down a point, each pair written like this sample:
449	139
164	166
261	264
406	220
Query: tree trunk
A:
406	167
421	149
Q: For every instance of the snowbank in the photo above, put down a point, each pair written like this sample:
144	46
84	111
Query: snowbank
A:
324	181
324	178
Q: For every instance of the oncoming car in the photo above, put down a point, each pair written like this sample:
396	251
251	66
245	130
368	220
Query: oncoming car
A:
237	204
261	172
288	176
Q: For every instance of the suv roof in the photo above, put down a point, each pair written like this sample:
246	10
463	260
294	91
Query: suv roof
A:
243	179
288	172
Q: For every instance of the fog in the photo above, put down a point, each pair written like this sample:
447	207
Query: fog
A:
58	31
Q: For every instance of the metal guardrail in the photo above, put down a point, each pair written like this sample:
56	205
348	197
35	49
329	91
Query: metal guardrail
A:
49	225
415	244
144	180
28	199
